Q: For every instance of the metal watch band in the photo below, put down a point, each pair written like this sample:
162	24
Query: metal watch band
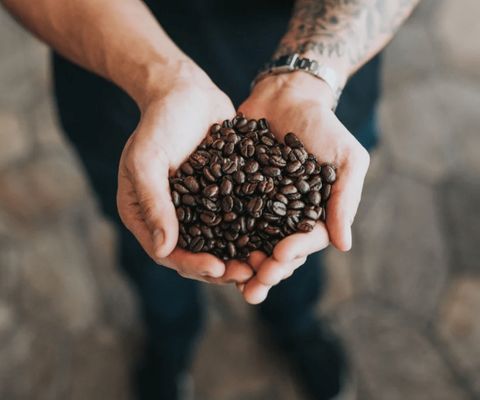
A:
293	62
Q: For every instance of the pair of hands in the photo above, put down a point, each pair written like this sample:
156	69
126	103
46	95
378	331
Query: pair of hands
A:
171	127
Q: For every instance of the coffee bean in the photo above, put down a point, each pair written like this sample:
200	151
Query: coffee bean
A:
328	174
227	203
289	189
293	166
197	244
314	197
296	205
306	225
279	208
326	189
251	166
241	190
302	186
226	187
175	198
255	206
292	140
272	171
189	200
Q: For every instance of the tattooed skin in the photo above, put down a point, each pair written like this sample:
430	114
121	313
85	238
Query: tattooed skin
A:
346	31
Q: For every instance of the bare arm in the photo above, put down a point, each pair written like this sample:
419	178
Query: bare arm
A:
119	40
343	34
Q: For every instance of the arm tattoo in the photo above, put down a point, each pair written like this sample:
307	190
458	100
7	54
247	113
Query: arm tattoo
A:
351	31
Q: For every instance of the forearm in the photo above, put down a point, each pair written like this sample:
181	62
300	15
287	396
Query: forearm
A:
119	40
343	34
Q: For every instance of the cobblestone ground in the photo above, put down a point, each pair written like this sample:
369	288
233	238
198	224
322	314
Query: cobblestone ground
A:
406	299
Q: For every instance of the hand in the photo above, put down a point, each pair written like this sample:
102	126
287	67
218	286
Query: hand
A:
301	103
172	125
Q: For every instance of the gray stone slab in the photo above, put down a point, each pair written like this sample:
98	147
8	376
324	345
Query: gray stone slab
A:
44	187
459	327
402	251
415	131
410	57
457	31
460	197
393	359
14	138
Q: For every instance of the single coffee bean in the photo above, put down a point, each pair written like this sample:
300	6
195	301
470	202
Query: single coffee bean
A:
292	140
194	230
315	182
215	128
281	197
311	214
187	168
218	144
263	123
208	175
278	161
231	236
175	198
198	160
309	167
189	200
242	241
289	189
296	205
326	189
255	206
232	251
197	244
279	208
272	171
314	197
306	225
226	187
229	149
251	166
239	177
293	166
227	203
216	170
180	188
328	174
302	186
192	184
229	216
211	191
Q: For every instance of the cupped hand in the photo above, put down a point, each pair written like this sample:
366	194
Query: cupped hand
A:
302	104
171	127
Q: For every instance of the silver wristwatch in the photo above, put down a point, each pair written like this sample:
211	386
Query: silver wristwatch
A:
293	62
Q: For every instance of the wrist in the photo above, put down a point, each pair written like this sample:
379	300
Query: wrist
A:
161	79
296	85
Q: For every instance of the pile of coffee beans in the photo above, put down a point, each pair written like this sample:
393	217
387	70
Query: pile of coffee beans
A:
242	190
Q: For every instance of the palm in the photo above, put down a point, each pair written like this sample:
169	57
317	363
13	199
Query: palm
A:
168	133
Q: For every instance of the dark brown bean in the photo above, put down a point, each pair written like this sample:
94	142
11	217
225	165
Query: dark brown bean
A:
279	208
306	225
197	244
328	174
226	187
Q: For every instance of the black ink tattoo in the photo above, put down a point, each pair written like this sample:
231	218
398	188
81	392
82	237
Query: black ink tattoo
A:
348	30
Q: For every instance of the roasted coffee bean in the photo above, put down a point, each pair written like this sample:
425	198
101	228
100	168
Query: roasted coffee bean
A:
302	186
189	200
326	189
279	208
176	198
328	174
186	168
306	225
196	245
292	140
289	189
296	205
293	166
230	216
242	190
251	166
226	187
191	184
208	175
227	203
314	197
239	177
255	206
310	214
272	171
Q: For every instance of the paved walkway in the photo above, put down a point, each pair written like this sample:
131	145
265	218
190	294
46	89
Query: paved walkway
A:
406	299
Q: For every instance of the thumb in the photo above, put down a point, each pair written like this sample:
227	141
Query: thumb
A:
151	186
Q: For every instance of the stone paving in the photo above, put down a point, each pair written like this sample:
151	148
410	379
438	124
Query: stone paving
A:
406	299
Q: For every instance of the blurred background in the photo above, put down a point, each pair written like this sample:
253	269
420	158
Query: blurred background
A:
406	299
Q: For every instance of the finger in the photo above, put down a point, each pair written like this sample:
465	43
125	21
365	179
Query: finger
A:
149	176
236	272
201	266
272	272
256	258
254	292
302	244
344	200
